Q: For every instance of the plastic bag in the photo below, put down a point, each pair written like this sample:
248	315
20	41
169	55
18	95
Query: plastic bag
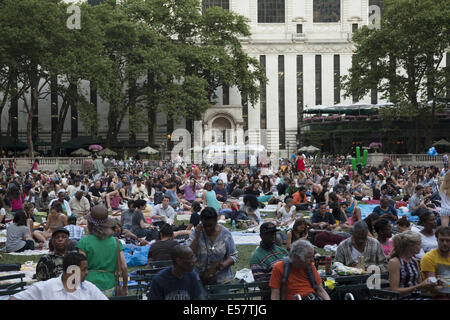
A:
246	275
137	256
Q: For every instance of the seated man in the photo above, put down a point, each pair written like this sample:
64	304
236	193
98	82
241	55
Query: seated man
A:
359	244
97	192
267	253
303	278
138	191
436	263
163	212
65	286
80	205
323	219
418	201
51	265
139	226
180	281
160	250
300	200
127	216
386	211
221	191
76	232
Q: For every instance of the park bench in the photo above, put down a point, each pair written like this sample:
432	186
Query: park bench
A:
144	278
242	291
7	289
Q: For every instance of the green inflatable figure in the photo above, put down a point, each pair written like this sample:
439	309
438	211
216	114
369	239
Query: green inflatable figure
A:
357	161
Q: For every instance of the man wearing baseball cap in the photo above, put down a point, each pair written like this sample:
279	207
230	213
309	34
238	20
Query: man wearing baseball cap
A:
51	265
266	254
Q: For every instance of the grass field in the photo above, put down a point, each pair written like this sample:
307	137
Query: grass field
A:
243	261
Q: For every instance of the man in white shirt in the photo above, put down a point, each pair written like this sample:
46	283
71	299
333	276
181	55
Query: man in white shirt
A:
80	204
335	179
71	285
224	176
73	188
163	212
139	191
64	203
253	161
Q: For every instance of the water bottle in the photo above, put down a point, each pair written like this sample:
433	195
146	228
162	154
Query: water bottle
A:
233	225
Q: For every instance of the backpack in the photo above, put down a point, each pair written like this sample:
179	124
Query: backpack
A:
158	198
287	270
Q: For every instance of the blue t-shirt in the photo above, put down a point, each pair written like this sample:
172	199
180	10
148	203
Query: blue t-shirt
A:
390	210
173	197
165	286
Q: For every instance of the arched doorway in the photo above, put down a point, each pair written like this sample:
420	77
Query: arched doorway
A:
222	124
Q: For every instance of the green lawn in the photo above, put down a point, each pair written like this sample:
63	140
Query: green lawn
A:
243	261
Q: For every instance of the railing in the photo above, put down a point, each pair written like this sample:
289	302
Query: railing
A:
406	159
50	164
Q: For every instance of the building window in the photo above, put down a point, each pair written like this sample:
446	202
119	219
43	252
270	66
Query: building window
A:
378	3
327	10
226	95
281	103
271	11
244	102
318	79
300	87
354	27
300	28
224	4
447	59
337	76
374	91
263	124
95	2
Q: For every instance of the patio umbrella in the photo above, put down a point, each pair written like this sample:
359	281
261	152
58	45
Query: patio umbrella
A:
148	150
81	152
107	152
441	142
309	149
95	147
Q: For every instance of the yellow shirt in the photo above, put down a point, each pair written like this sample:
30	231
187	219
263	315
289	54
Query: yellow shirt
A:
434	262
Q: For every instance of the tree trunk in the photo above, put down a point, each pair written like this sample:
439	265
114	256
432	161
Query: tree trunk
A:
30	134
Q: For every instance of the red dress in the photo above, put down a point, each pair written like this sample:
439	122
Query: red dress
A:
300	164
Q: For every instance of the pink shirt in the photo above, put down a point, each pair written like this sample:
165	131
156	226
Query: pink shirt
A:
16	204
387	247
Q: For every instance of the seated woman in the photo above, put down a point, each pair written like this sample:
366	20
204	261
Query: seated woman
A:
127	236
287	213
195	215
384	233
113	198
403	225
18	236
404	270
36	234
427	219
353	212
251	208
55	220
370	220
298	231
386	211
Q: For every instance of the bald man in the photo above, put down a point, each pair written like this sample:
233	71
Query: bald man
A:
180	281
80	205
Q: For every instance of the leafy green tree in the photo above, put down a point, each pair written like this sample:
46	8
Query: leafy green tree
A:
402	58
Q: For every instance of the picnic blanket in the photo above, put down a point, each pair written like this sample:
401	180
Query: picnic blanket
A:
245	238
29	253
367	209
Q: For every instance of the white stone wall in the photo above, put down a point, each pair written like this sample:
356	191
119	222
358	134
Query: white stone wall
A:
325	39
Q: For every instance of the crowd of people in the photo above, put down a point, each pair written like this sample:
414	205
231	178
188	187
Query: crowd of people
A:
78	224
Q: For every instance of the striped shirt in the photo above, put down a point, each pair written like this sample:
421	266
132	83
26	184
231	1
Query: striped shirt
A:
373	253
76	232
262	261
